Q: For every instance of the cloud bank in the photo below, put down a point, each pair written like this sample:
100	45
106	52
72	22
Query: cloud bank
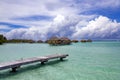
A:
99	28
41	19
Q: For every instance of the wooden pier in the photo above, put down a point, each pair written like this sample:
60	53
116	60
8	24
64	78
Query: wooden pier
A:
16	64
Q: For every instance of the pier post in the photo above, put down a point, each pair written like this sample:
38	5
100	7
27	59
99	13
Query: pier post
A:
14	69
43	62
61	59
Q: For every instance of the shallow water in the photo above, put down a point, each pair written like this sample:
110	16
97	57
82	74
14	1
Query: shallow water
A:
86	61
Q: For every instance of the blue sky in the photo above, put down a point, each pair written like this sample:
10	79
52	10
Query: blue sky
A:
76	19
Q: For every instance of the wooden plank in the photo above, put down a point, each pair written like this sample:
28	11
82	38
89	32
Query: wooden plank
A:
18	63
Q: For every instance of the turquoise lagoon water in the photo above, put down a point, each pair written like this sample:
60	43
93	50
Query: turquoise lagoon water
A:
86	61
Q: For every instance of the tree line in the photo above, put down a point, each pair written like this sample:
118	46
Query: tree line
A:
52	41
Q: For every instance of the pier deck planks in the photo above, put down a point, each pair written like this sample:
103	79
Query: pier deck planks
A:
15	64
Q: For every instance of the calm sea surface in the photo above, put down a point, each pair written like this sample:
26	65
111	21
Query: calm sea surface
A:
86	61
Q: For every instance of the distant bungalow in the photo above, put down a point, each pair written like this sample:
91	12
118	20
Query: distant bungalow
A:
75	41
59	41
39	41
89	40
83	40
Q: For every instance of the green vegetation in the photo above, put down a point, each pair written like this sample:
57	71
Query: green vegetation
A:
59	41
2	39
51	41
20	41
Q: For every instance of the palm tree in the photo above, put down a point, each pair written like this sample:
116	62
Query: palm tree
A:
2	39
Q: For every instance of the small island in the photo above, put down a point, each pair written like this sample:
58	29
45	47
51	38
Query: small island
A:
59	41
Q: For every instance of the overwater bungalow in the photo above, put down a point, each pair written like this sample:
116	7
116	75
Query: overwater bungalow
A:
89	40
31	41
75	41
83	40
39	41
65	40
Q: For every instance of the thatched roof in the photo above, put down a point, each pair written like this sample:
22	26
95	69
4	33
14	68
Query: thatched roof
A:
39	41
54	38
89	40
75	41
83	40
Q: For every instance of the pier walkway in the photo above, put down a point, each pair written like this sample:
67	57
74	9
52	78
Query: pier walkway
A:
16	64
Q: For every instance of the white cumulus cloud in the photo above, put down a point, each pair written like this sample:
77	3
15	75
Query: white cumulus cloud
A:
72	27
101	27
67	18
